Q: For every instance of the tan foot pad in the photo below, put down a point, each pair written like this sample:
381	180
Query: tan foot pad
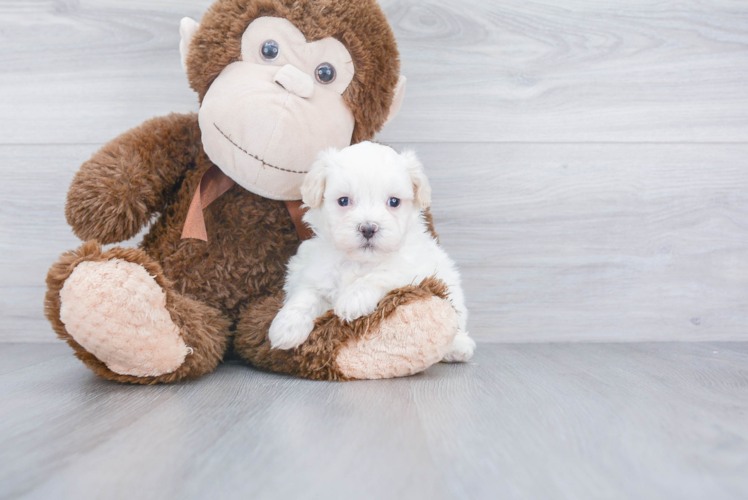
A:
117	312
416	336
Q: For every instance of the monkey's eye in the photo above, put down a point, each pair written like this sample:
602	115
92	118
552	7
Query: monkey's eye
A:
325	73
270	50
394	202
344	201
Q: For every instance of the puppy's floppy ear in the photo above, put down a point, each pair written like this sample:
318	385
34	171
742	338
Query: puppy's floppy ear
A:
313	187
421	184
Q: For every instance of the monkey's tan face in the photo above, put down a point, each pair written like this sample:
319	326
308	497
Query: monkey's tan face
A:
264	118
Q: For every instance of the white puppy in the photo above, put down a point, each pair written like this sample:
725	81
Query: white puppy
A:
366	204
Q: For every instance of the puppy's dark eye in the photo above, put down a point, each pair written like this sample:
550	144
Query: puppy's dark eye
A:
394	202
325	73
344	201
270	50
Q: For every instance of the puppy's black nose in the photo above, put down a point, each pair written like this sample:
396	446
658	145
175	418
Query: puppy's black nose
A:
368	230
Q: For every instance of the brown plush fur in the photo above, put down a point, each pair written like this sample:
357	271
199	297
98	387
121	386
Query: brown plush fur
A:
234	282
359	24
115	193
315	358
202	327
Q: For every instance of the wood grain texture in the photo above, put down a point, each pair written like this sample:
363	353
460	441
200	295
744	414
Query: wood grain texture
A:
556	242
577	241
597	242
16	356
645	421
587	70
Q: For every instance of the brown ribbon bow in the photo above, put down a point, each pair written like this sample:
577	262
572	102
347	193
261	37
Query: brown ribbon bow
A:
213	184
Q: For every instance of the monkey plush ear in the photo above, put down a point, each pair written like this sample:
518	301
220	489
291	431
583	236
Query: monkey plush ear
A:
421	184
313	187
187	29
398	99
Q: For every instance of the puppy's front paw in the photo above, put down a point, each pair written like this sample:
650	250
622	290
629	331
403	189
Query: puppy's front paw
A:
461	349
290	329
356	302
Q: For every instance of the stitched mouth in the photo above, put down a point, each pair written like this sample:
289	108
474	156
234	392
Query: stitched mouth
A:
264	164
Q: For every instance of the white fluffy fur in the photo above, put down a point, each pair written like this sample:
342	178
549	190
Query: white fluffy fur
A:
339	268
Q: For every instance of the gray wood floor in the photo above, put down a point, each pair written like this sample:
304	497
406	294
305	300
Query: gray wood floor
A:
544	421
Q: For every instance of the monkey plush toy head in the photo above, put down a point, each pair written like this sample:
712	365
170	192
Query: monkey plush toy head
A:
280	80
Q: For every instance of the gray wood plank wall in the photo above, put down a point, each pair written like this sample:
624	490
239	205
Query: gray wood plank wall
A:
589	158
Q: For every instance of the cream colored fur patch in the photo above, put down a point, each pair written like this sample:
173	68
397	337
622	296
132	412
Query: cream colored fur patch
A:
415	337
117	312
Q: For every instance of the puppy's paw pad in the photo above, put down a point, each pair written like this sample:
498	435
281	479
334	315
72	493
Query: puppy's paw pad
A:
357	303
289	330
461	350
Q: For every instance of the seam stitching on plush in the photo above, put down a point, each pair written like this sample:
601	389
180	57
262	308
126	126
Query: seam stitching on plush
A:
255	156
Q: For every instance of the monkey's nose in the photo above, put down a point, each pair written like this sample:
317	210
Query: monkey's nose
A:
295	81
368	230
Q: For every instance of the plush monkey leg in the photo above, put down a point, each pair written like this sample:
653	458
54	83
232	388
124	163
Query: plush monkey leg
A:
411	330
123	319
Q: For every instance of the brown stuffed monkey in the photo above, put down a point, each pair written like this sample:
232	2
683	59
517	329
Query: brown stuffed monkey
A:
278	81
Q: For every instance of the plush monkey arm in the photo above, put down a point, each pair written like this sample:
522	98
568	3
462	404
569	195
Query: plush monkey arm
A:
115	193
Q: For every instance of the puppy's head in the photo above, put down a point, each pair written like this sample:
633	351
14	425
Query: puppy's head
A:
365	198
